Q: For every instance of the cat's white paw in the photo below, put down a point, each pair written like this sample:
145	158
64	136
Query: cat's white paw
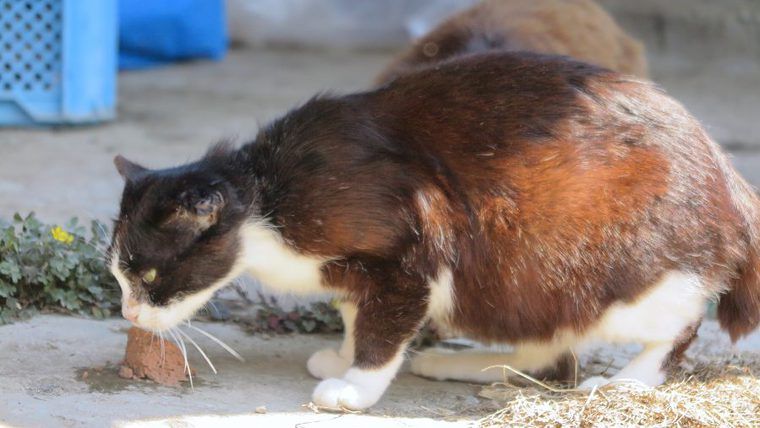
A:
431	364
326	363
339	393
646	380
594	382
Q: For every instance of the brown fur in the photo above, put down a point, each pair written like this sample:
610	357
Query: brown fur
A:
577	28
681	345
551	189
564	371
739	308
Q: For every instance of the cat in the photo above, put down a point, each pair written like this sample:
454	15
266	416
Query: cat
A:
515	198
577	28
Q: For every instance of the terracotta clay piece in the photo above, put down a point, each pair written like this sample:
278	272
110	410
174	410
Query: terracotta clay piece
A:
146	358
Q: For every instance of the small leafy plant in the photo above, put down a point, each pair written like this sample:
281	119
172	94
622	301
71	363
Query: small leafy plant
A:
63	269
57	268
319	317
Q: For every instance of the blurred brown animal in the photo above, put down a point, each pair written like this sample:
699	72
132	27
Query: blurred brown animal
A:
577	28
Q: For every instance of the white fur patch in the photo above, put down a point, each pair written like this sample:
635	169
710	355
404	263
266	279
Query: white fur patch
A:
441	301
269	259
126	288
157	318
327	363
656	320
645	369
661	315
358	388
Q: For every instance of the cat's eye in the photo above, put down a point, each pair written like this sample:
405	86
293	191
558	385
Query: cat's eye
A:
149	276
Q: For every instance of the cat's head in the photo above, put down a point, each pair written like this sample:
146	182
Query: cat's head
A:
175	242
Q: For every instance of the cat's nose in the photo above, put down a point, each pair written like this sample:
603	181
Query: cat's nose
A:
130	309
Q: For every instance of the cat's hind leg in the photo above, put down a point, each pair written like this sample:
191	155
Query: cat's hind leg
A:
664	321
651	365
545	361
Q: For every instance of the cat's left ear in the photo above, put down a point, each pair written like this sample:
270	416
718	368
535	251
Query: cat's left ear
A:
128	169
201	209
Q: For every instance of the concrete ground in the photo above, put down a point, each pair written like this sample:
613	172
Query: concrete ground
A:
169	116
42	362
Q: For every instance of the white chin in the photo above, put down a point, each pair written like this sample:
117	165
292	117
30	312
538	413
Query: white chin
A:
162	318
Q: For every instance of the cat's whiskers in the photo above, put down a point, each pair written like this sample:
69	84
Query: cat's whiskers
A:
213	305
181	343
163	349
100	247
102	229
218	341
102	253
203	354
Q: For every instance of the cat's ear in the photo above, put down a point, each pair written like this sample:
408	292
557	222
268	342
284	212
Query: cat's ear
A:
201	210
128	169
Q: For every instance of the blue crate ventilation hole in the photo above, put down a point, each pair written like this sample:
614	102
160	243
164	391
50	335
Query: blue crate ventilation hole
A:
57	61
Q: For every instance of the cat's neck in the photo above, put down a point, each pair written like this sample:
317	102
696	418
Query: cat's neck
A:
305	146
264	169
267	257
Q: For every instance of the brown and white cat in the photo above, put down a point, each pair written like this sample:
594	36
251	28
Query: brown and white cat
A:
576	28
513	197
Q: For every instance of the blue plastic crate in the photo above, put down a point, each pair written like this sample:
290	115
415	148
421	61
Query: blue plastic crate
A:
57	61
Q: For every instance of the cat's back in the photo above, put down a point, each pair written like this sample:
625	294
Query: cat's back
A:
490	107
551	140
529	150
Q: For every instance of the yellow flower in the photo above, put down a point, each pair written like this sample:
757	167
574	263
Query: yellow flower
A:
61	235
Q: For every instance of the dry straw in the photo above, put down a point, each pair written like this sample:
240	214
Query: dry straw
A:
723	393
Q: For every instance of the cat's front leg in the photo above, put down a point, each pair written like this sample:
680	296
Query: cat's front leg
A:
329	363
385	323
